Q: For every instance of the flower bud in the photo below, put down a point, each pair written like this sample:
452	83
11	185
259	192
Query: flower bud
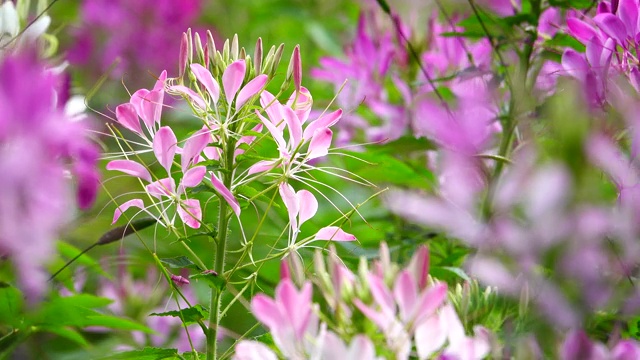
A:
189	45
257	57
211	46
234	48
182	58
199	48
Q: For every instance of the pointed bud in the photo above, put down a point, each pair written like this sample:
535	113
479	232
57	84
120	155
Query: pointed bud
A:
199	48
242	54
296	270
211	46
190	45
285	272
295	68
179	280
276	60
234	47
257	57
206	55
225	51
182	58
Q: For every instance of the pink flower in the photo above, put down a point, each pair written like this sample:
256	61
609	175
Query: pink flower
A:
40	146
289	316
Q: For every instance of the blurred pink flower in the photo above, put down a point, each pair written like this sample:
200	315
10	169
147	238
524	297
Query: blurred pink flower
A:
143	34
40	146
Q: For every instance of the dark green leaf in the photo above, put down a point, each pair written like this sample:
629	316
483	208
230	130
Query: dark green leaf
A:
180	262
189	315
147	353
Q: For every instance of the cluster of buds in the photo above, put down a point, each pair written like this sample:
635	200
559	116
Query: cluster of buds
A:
403	304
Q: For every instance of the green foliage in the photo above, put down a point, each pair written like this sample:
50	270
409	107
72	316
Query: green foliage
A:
147	353
189	315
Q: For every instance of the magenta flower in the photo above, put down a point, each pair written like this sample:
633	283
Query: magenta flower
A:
141	34
39	146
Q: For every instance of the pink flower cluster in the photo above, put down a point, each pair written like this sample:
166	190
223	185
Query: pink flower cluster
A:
413	314
41	148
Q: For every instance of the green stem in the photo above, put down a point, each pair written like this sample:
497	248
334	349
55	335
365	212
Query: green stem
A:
221	248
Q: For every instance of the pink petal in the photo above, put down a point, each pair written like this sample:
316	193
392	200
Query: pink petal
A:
455	330
333	233
266	311
361	348
190	94
251	89
162	187
261	166
130	167
204	76
308	205
128	117
430	336
406	295
193	177
232	79
194	145
151	107
161	80
275	132
273	108
574	64
430	300
320	143
419	266
190	213
303	104
612	26
253	350
164	147
225	193
294	125
137	98
378	318
628	13
290	200
325	121
382	295
124	206
212	153
581	30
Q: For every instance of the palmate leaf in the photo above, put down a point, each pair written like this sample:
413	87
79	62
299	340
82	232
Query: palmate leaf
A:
188	315
147	353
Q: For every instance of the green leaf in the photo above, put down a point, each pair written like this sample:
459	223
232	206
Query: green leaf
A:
77	311
180	262
147	353
561	41
575	4
384	168
66	333
11	305
212	279
69	251
444	272
113	322
189	315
